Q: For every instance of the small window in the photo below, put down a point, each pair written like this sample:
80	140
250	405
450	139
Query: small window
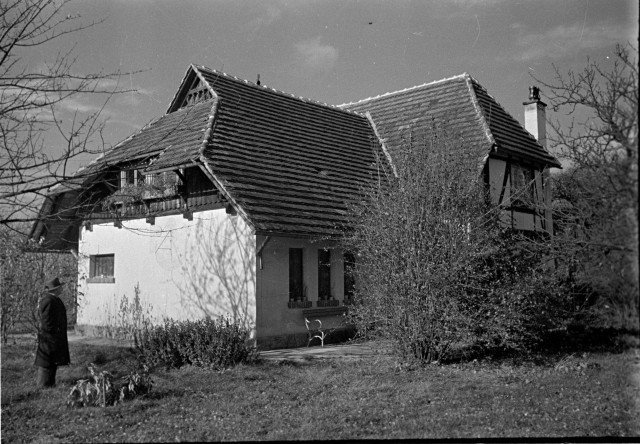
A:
131	177
296	288
324	275
349	280
101	268
522	186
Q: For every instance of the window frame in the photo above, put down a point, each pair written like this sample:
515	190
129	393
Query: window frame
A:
131	177
324	274
94	260
522	192
296	275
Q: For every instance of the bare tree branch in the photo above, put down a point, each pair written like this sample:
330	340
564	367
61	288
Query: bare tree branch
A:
30	105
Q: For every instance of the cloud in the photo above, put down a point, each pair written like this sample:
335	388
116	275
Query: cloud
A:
271	14
316	55
563	40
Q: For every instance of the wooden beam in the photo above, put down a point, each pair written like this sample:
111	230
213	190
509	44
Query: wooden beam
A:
507	175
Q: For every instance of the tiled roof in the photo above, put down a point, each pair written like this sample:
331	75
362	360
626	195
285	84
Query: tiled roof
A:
178	133
459	105
289	163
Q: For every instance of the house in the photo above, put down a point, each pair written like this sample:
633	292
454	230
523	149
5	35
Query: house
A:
234	201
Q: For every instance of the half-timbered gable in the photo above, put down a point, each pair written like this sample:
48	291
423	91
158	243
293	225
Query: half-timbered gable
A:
511	160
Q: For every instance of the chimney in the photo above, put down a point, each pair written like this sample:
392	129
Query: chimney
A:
535	116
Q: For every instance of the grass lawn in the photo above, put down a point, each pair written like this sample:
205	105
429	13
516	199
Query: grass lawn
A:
557	394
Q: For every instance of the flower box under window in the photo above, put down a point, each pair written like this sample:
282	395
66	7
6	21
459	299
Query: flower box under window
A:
328	303
299	304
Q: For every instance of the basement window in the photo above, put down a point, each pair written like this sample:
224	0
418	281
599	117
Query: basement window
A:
101	268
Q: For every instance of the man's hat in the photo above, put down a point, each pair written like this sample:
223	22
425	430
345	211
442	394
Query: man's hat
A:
53	284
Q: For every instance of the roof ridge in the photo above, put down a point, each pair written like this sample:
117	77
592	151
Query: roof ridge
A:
487	119
175	95
486	91
277	91
470	81
463	75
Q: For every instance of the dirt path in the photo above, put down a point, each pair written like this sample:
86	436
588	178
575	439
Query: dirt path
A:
95	340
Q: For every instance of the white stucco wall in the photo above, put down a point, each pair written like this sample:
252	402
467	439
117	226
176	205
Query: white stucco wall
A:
169	261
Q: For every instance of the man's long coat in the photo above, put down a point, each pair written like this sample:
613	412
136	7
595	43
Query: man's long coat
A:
53	348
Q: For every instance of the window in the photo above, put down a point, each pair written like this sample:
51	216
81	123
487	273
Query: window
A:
101	267
349	280
296	291
137	185
164	180
324	275
131	177
161	184
522	186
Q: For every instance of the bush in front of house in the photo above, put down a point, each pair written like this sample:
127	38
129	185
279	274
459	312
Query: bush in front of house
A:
435	267
418	235
520	298
214	343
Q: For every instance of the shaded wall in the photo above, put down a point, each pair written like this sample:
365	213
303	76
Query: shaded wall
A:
278	325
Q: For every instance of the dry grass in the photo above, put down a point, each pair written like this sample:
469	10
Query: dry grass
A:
556	395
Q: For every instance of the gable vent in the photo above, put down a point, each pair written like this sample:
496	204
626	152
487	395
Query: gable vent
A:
198	92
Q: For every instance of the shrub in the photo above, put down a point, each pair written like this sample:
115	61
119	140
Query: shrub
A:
131	316
217	343
436	268
418	238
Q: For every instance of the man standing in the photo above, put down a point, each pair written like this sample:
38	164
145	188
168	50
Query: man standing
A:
53	348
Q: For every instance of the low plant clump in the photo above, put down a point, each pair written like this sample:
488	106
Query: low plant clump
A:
101	391
213	343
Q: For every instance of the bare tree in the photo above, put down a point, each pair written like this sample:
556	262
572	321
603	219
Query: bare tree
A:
30	100
23	273
596	197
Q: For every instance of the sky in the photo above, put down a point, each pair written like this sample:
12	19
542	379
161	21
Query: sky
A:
333	51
